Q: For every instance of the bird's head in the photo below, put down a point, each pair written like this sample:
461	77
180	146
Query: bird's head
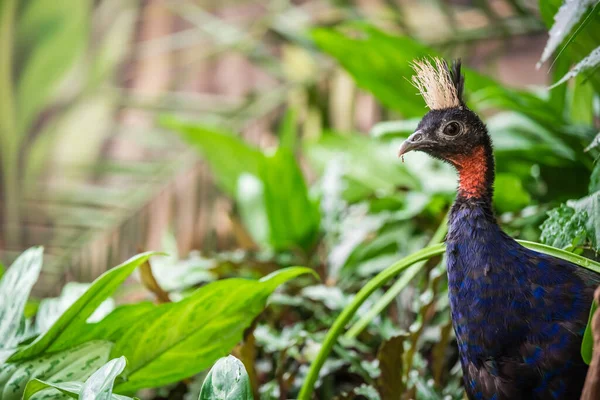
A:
450	131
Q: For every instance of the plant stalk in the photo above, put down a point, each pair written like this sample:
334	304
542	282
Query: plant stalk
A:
397	287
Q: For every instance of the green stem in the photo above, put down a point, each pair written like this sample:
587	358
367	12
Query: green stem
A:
397	287
341	321
384	276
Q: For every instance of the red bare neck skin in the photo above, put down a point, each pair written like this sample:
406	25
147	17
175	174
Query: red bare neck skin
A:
472	170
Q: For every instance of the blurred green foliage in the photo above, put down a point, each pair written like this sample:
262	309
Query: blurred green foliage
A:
340	203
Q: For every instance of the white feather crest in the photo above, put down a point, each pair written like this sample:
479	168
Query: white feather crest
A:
435	83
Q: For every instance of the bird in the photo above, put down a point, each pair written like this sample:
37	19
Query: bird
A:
518	315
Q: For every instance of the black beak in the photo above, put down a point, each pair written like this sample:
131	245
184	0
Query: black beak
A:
413	142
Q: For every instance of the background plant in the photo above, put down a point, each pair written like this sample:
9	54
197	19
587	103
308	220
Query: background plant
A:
319	194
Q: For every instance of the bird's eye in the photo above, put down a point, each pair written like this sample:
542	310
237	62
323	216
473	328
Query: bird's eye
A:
452	129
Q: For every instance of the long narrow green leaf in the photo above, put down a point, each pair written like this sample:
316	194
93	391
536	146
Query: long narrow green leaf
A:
72	322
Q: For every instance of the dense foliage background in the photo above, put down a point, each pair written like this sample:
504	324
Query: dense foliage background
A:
318	194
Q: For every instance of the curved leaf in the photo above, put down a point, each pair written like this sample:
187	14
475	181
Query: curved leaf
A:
99	386
72	323
587	344
227	380
15	287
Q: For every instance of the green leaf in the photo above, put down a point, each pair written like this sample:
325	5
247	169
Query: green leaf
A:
227	155
49	310
177	340
287	130
565	228
250	199
15	287
378	62
591	205
97	387
568	15
592	60
582	98
72	323
293	216
51	38
115	324
100	385
509	194
77	363
227	380
587	345
34	386
583	39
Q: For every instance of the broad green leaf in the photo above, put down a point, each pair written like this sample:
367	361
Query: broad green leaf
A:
378	62
100	385
227	380
49	310
227	155
74	364
115	324
509	194
565	228
177	340
15	287
568	15
52	37
587	345
72	323
294	218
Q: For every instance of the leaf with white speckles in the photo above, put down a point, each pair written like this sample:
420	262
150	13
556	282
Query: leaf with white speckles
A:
96	387
591	61
227	380
565	19
15	287
75	364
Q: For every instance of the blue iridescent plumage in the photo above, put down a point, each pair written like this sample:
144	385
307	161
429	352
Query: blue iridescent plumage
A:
518	315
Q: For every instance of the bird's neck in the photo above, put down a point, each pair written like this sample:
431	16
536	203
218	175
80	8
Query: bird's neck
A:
476	175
